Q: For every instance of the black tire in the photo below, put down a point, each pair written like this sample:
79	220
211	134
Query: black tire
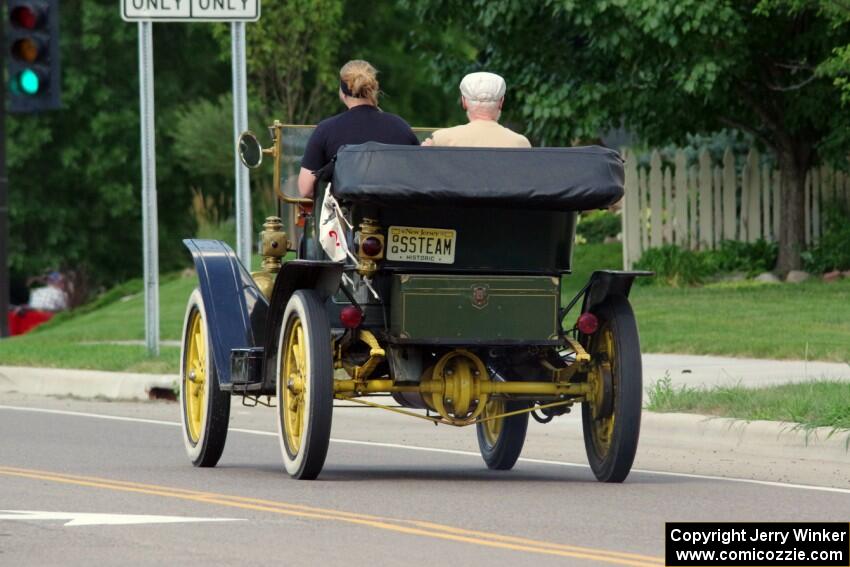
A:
304	453
501	453
205	438
613	465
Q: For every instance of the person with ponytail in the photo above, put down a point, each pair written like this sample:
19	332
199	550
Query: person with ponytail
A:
362	122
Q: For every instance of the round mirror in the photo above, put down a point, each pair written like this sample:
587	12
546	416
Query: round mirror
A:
250	150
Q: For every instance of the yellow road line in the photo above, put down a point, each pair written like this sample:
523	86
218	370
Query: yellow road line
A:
410	527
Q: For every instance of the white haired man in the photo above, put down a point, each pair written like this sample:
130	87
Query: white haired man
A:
482	96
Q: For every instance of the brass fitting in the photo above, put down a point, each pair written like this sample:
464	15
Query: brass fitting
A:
274	246
369	228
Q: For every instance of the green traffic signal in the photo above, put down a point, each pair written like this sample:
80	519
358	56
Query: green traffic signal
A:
29	82
26	82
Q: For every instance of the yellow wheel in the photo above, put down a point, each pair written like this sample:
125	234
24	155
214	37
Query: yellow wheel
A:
294	394
493	428
205	408
500	440
611	416
304	385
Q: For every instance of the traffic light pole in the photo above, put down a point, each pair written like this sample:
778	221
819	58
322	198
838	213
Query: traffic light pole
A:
4	208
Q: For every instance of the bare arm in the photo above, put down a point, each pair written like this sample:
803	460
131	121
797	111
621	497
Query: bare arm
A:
306	181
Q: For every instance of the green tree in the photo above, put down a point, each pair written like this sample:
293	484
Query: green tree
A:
385	34
665	68
837	66
292	56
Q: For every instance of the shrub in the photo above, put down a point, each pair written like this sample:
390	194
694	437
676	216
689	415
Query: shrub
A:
832	250
733	256
676	266
595	226
672	265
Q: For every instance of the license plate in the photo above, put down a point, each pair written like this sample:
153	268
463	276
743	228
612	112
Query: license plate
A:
414	244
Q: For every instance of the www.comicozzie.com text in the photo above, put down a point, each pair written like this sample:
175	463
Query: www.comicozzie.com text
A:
726	536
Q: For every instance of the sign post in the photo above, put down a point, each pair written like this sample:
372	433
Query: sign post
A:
240	124
145	12
150	225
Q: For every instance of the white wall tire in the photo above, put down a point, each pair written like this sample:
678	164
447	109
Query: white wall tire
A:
204	408
304	382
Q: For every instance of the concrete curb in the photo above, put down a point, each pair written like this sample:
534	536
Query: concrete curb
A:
82	383
758	438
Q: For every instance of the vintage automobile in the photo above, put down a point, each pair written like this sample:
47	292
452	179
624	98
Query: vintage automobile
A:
449	302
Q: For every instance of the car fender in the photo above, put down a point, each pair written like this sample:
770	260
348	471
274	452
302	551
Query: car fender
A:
605	283
236	309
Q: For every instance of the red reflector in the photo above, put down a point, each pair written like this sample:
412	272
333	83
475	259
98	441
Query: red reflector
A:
371	246
350	317
587	323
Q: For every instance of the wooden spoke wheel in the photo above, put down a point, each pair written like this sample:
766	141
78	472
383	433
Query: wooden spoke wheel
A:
611	416
500	440
304	385
204	407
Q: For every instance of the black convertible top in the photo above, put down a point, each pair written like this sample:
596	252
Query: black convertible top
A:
567	179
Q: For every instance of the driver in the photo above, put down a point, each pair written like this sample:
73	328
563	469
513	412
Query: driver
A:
362	122
482	96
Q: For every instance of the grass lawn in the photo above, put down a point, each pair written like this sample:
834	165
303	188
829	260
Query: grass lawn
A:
809	320
75	340
745	319
811	404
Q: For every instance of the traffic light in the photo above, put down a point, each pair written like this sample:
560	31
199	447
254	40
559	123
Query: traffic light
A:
32	39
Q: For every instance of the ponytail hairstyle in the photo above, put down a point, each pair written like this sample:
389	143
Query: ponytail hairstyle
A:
359	79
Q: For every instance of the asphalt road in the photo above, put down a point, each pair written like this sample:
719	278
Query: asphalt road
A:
394	491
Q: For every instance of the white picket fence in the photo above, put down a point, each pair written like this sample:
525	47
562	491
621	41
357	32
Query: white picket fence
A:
699	206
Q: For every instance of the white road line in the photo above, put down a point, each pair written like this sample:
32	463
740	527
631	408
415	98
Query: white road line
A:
87	519
769	483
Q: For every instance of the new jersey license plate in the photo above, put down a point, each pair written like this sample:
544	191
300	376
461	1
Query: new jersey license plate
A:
414	244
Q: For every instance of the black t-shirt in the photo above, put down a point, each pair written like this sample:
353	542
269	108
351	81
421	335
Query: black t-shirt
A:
357	125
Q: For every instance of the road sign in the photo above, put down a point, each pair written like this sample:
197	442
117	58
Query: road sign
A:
190	10
87	519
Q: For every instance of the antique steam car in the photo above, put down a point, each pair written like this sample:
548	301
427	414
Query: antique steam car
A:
449	300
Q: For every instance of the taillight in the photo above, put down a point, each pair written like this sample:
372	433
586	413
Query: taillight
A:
350	317
372	246
587	323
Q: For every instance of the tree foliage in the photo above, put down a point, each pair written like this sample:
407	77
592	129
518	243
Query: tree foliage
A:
75	175
293	52
386	34
664	68
837	12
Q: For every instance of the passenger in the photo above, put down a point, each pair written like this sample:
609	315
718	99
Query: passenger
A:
362	122
482	96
